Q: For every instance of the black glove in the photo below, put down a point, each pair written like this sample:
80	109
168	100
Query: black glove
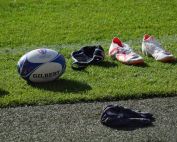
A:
87	55
116	116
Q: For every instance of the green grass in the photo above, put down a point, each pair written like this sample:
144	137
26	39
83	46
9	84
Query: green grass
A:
56	24
51	22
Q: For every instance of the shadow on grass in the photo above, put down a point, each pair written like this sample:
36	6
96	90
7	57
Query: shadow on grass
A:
62	85
142	66
173	63
3	92
106	64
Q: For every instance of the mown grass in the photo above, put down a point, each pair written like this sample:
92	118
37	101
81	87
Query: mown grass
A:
109	80
51	22
66	26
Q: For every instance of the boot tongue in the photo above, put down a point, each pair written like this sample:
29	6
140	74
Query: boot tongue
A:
117	41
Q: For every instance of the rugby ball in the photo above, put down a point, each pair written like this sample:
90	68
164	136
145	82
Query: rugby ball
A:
41	65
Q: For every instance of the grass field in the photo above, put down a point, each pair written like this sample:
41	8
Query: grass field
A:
66	26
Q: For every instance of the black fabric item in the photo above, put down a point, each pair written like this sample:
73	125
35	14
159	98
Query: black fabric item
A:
117	116
87	55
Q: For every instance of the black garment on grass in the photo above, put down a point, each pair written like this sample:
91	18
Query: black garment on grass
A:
117	116
87	55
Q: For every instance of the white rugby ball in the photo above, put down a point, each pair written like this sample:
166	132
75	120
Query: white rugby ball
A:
41	65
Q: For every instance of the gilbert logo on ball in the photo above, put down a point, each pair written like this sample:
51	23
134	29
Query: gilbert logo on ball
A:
41	65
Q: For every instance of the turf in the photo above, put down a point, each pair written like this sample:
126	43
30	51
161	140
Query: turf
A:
51	22
66	26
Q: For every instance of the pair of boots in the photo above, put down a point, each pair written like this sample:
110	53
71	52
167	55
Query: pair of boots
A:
150	47
122	52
